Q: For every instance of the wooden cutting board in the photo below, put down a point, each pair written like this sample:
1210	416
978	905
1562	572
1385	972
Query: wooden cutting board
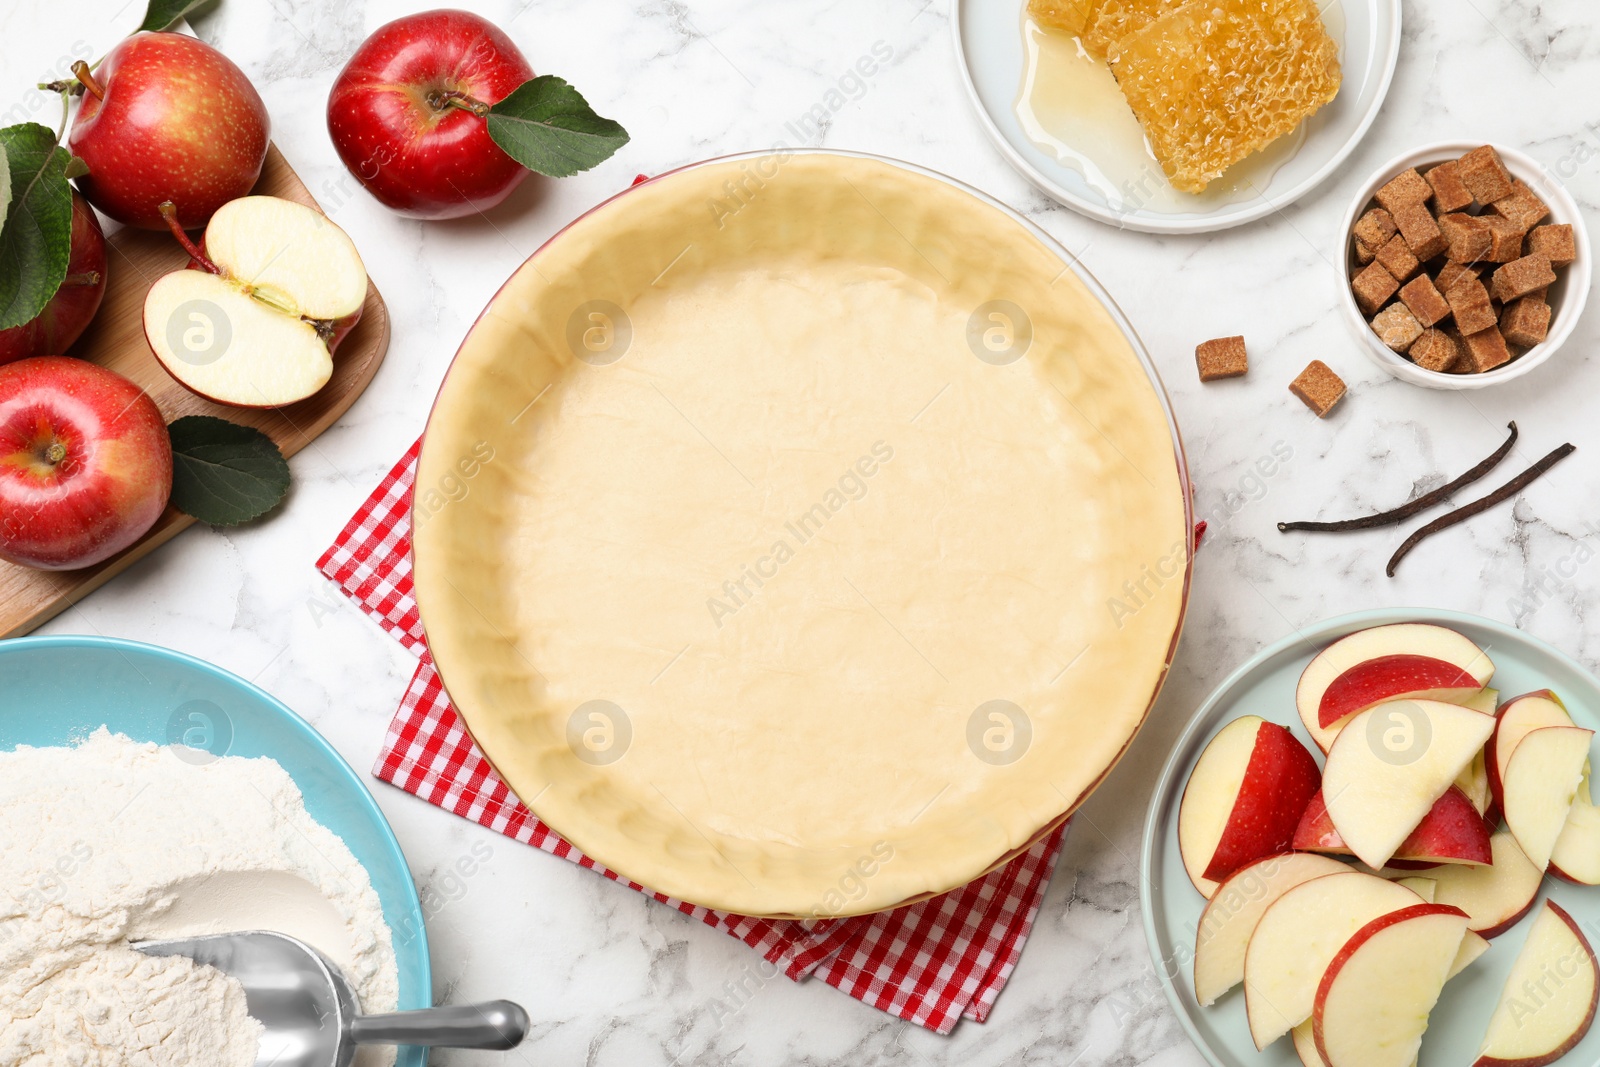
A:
135	259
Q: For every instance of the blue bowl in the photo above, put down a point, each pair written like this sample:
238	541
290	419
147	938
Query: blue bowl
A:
57	690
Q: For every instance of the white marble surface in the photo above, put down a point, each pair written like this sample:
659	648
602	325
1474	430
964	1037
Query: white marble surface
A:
612	978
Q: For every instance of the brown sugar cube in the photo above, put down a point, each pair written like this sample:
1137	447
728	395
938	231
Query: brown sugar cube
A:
1484	174
1435	350
1373	287
1448	192
1421	230
1373	230
1485	350
1452	272
1318	387
1505	240
1397	259
1223	357
1424	300
1469	302
1520	277
1405	190
1397	327
1522	208
1469	237
1525	322
1555	243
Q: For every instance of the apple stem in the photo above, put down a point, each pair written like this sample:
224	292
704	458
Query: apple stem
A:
440	99
54	454
88	277
169	212
80	70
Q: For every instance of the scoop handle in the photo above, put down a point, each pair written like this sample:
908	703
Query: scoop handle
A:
496	1024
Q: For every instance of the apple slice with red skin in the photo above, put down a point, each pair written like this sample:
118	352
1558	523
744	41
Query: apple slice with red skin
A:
1390	765
85	463
1296	938
1383	663
1514	720
1230	916
1305	1037
1550	996
1541	785
1243	799
1496	897
1576	857
1373	1004
255	321
1451	832
69	312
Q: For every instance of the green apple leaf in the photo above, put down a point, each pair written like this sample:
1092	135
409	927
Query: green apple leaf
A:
223	473
163	13
547	126
36	237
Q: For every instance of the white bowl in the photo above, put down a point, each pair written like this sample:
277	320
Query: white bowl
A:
1567	295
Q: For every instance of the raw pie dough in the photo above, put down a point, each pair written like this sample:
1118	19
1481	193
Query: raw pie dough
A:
785	518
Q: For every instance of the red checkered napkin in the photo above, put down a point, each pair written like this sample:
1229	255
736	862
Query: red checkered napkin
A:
930	963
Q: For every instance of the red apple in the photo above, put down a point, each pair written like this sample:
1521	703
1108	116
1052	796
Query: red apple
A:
167	117
406	117
1243	799
85	463
70	311
1451	832
1550	996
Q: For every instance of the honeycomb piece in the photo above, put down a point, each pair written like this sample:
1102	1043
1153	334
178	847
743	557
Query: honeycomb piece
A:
1067	16
1214	80
1113	20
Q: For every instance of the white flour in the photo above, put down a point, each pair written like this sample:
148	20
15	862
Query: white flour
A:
112	841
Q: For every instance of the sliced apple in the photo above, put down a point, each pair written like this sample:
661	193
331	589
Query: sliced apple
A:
1426	888
1243	799
1472	946
1540	786
1577	854
1451	832
1389	766
1231	915
255	320
1374	1000
1495	897
1369	667
1297	937
1474	782
1305	1044
1549	999
1516	719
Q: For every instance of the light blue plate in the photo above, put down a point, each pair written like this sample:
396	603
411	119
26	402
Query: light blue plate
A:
57	690
1265	686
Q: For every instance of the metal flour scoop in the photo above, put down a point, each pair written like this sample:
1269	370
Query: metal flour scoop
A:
310	1011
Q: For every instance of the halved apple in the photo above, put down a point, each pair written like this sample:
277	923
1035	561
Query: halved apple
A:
1541	784
1549	999
1243	799
1452	832
1231	915
255	319
1374	1000
1577	854
1389	766
1369	667
1297	937
1495	897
